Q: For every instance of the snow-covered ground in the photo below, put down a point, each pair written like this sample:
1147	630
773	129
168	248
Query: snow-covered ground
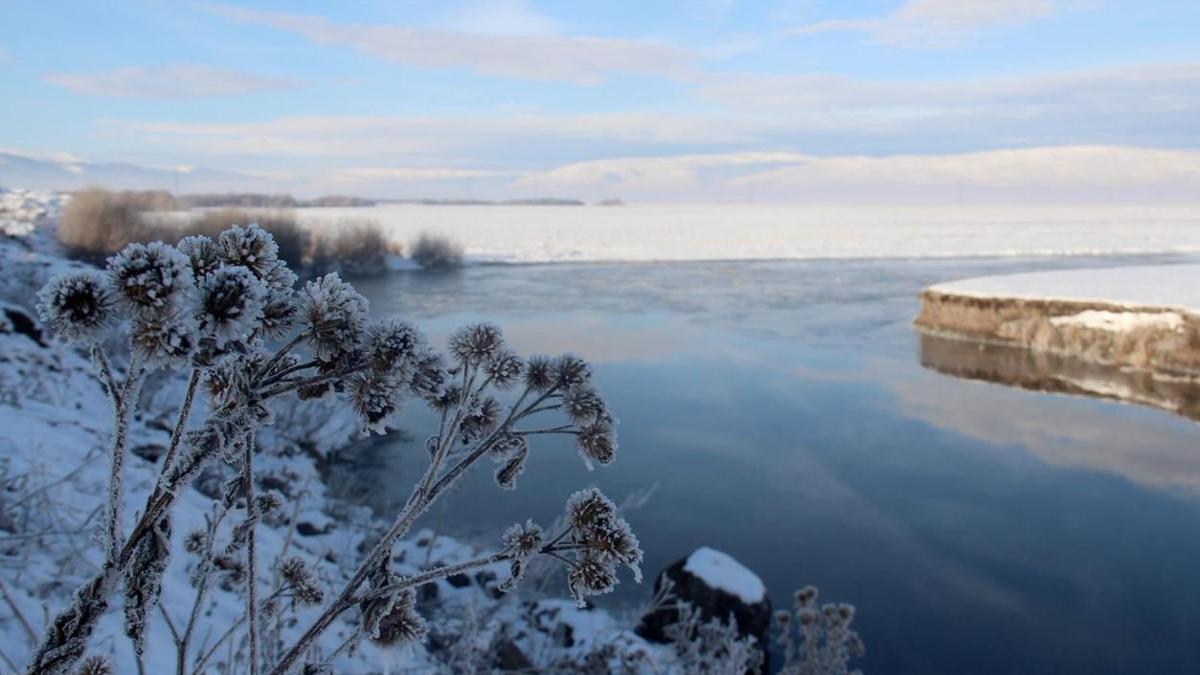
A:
750	232
1159	286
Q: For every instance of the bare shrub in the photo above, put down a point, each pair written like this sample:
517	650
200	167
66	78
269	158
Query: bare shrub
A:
354	248
436	252
96	223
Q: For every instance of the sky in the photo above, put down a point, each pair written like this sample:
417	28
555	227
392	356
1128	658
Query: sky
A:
693	100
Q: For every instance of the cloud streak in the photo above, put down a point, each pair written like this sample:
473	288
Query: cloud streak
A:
939	23
170	82
533	56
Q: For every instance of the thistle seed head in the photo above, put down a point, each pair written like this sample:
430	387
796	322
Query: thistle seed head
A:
79	306
334	315
151	278
475	344
231	305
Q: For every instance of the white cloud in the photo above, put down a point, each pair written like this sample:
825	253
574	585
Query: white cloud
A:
1083	174
579	60
502	17
648	175
1128	87
170	82
940	23
422	136
1054	174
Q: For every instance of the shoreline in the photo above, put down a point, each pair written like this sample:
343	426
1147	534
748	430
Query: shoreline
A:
1134	318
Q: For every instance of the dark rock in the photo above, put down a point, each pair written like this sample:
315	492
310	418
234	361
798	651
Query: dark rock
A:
488	582
458	580
510	658
753	619
24	324
307	529
274	482
427	593
149	451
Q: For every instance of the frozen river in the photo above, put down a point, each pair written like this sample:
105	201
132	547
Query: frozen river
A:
783	412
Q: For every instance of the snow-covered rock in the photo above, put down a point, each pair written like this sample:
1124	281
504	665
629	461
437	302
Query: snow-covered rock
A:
719	586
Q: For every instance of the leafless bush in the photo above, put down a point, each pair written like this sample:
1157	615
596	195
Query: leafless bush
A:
96	223
355	248
211	307
435	252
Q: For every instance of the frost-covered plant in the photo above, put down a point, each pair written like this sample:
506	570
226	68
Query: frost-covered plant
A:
215	307
713	647
817	640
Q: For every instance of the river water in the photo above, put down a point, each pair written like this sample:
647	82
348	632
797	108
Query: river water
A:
790	416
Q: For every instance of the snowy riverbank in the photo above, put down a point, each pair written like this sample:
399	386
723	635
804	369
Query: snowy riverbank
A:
54	429
1145	318
689	232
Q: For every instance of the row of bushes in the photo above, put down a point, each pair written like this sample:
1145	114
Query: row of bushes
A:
96	223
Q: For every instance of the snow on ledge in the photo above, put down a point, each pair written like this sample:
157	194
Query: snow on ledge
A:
719	570
1159	286
1120	322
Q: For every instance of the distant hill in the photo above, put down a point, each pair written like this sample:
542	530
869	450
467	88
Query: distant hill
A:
69	173
541	201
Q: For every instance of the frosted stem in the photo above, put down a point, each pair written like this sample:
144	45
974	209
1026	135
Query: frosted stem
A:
252	582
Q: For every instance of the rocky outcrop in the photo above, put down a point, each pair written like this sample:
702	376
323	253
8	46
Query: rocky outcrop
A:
1161	340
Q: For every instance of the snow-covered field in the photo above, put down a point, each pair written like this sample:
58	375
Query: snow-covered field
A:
750	232
1176	286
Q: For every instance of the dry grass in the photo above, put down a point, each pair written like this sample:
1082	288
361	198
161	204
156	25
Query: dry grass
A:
96	223
435	252
355	248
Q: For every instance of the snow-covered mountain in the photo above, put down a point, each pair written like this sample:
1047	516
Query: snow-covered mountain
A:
64	172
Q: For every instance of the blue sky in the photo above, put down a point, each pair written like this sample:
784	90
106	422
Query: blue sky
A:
658	100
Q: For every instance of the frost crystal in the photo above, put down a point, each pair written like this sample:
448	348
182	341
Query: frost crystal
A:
525	540
375	398
475	344
168	339
597	442
299	577
571	371
603	540
230	305
512	468
94	665
202	253
393	620
590	576
504	368
583	404
540	373
334	315
151	278
77	306
392	345
278	313
251	247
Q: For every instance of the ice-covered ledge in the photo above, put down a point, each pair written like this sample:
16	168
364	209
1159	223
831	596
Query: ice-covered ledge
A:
1131	317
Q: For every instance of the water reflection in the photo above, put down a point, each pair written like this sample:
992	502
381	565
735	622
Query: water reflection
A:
979	528
1052	373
